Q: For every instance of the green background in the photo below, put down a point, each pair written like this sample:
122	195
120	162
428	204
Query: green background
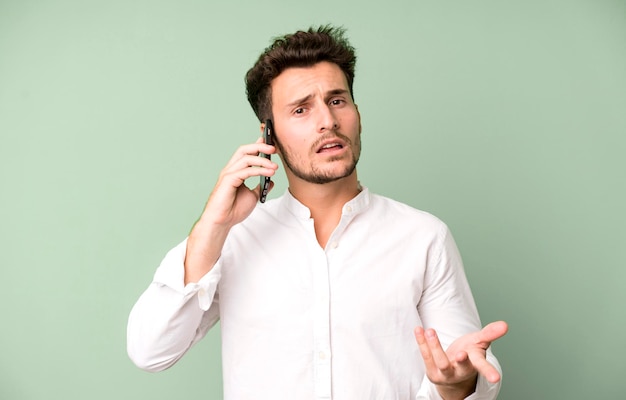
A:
504	118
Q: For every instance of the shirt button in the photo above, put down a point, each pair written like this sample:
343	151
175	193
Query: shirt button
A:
348	209
334	245
322	355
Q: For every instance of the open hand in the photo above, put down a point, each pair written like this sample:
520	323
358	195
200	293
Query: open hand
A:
455	370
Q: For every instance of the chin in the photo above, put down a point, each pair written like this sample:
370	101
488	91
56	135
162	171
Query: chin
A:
320	177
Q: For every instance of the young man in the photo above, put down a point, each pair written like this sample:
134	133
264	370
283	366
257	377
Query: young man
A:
329	291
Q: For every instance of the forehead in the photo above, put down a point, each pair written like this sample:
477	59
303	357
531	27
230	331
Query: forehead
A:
298	82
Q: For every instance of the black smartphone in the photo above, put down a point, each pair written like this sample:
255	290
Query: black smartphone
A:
268	136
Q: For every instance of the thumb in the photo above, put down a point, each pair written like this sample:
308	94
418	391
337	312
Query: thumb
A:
493	331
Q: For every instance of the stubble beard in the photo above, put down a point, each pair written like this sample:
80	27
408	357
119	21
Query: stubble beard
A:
315	174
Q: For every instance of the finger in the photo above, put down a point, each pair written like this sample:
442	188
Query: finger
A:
493	331
238	177
463	365
251	165
250	150
439	355
253	161
461	357
484	367
427	356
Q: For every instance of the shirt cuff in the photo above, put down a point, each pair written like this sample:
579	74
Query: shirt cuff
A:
171	273
485	390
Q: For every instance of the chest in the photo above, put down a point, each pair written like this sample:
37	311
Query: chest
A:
364	274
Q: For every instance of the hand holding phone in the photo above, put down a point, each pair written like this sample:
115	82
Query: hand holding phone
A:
268	138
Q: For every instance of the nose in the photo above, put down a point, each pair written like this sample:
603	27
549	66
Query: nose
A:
327	120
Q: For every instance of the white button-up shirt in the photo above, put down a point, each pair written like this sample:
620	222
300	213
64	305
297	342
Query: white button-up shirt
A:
301	322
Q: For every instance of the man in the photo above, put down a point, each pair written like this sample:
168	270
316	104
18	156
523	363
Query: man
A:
329	291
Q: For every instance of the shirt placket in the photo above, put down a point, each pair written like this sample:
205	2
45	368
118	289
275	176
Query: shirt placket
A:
321	324
321	281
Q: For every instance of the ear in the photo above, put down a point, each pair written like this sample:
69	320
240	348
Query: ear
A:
359	114
262	127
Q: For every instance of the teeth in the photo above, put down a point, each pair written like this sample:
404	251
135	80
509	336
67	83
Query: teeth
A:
328	146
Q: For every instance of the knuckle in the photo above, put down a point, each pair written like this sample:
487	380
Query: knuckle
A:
435	377
446	368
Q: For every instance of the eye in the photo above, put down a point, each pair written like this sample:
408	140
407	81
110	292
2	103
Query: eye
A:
337	102
299	110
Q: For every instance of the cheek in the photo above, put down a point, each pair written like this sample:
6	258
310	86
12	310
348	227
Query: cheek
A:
351	119
295	138
290	147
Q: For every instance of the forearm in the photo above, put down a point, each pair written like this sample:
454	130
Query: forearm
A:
204	247
162	326
170	317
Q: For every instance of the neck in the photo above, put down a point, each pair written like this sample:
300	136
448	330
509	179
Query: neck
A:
325	201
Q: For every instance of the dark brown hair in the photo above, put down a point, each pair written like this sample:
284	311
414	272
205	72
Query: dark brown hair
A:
300	49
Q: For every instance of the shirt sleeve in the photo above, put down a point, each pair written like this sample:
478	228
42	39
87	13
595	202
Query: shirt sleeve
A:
170	317
447	305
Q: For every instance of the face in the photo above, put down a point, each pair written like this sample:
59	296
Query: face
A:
317	125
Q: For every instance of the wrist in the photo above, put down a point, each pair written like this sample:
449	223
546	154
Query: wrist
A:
457	391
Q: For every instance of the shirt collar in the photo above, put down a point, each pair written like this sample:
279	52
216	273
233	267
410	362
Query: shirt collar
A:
353	207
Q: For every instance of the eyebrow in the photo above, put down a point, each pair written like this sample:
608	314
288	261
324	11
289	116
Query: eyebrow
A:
336	92
299	101
330	93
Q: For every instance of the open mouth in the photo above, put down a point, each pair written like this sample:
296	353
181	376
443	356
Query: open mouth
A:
330	147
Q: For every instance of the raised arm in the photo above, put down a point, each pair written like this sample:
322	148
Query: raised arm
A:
230	203
165	322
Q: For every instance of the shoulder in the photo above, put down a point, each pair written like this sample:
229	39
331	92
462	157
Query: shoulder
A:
404	214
